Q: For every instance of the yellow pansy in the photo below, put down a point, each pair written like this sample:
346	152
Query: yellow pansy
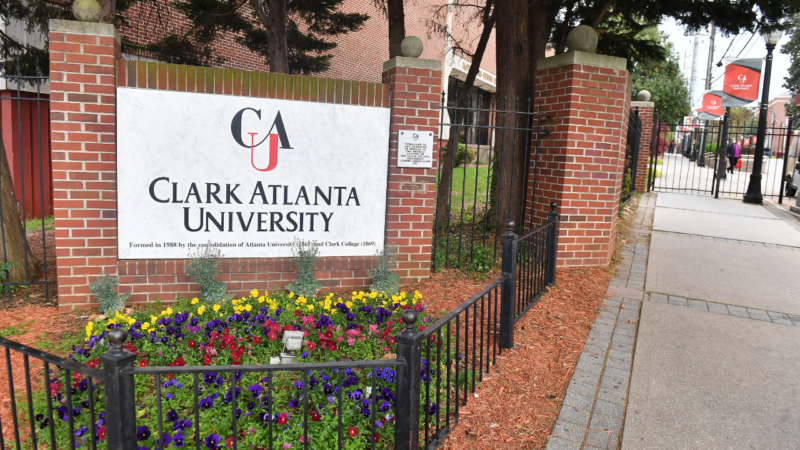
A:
216	308
261	299
291	294
195	301
373	294
349	304
248	307
310	307
254	293
145	325
201	310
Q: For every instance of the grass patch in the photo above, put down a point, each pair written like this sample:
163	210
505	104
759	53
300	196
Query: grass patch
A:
16	330
465	189
35	224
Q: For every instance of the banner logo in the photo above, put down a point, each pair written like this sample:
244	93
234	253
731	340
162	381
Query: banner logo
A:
742	78
275	133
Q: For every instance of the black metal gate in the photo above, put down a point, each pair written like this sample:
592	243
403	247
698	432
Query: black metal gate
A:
466	228
702	159
631	155
25	130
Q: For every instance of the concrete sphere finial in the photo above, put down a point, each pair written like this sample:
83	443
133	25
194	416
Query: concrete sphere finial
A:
582	38
87	10
643	96
411	47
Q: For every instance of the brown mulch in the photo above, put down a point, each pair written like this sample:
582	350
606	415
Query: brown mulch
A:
30	325
37	294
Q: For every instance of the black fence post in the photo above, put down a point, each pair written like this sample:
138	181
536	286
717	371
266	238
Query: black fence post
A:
552	245
120	396
785	160
509	286
408	385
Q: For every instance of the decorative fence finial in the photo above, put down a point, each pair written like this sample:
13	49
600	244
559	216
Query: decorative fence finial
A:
510	226
410	318
117	337
553	206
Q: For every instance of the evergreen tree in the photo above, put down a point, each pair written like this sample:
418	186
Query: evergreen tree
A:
293	36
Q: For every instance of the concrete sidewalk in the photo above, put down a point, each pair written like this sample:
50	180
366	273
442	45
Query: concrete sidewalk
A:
698	346
716	356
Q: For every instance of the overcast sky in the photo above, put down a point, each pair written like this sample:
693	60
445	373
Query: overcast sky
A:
740	47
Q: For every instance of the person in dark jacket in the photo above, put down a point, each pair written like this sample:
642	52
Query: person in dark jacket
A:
734	151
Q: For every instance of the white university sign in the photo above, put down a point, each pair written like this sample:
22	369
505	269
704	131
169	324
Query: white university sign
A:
248	174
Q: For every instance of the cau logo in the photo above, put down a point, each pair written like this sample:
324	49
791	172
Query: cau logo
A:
275	133
742	78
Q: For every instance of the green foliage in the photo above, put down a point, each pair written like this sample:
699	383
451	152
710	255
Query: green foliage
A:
384	281
305	255
482	259
35	224
667	86
464	155
626	185
105	290
4	268
16	330
203	270
792	48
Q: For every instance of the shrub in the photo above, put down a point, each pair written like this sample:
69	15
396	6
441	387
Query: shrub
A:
203	270
305	255
464	155
104	289
384	281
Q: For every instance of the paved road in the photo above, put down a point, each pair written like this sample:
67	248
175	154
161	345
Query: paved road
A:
698	344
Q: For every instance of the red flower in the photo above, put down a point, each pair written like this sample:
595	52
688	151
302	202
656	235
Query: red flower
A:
391	340
332	346
101	433
236	357
257	340
311	346
236	363
297	313
226	331
142	363
315	416
179	362
214	335
240	351
283	418
421	328
228	339
229	441
192	343
222	346
352	431
55	387
93	363
377	437
272	335
207	359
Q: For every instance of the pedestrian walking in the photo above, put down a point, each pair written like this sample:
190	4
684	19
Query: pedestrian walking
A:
734	152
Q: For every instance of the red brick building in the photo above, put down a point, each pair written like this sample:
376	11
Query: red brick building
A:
359	55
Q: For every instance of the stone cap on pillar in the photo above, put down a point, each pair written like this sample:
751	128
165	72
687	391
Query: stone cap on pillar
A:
412	63
642	105
75	27
591	59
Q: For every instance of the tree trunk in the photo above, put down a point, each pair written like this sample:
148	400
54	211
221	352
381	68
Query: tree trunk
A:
13	231
397	26
514	82
109	11
274	21
446	172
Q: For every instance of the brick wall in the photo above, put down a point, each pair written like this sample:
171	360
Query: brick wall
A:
85	71
83	58
646	111
580	163
414	90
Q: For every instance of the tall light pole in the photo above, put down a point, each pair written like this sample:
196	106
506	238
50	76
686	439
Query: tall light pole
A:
753	194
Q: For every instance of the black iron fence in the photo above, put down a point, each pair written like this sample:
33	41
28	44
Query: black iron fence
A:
718	157
481	132
631	155
411	401
27	260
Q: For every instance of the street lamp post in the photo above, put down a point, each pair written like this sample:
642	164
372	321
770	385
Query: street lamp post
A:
753	194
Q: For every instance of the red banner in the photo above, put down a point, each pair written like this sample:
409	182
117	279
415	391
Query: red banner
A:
742	79
712	104
746	141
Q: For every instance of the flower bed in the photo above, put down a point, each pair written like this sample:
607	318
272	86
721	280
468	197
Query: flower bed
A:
242	332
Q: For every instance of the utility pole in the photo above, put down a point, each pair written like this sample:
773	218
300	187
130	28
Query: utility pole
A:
710	58
695	50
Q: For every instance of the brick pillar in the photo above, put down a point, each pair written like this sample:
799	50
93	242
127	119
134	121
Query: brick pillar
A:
415	86
580	163
83	60
646	112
